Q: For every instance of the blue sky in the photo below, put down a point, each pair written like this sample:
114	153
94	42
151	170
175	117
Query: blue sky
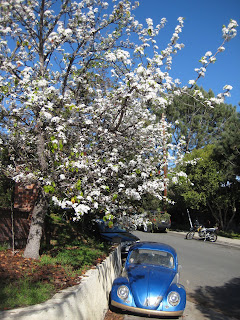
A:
202	32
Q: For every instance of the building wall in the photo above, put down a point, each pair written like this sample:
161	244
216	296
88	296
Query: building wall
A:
18	219
20	224
25	197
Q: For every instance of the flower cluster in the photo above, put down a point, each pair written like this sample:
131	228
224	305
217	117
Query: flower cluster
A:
230	31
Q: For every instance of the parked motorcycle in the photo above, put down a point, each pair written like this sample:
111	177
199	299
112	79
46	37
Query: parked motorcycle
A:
203	233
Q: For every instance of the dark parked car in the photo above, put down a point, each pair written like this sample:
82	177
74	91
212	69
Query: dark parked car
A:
149	283
160	221
116	234
152	221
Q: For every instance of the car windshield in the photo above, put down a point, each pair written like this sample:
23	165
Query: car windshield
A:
104	227
152	257
114	228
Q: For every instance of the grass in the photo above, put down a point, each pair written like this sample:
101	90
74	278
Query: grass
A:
231	234
25	282
71	250
23	293
76	258
3	246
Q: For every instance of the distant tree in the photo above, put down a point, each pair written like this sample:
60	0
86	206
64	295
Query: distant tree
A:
150	203
227	147
195	123
206	187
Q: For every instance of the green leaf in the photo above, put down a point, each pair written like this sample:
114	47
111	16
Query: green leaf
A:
78	185
110	224
115	197
60	145
48	189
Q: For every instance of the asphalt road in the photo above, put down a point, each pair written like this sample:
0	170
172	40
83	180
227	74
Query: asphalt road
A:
210	273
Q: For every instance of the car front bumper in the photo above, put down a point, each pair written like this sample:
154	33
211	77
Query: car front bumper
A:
147	311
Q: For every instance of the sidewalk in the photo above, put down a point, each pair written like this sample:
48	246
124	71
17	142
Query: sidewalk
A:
229	241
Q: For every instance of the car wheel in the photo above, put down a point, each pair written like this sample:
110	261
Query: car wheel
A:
190	235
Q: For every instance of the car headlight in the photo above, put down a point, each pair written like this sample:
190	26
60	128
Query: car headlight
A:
123	292
173	298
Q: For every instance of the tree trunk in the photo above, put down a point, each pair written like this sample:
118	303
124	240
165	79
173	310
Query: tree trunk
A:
234	210
36	227
216	217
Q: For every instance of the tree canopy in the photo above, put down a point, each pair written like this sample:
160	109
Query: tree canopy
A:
75	90
195	123
227	148
206	187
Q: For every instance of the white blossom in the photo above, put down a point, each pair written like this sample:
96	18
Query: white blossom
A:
221	49
227	87
208	54
191	82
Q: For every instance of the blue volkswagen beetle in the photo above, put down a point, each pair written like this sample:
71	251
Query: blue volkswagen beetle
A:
149	282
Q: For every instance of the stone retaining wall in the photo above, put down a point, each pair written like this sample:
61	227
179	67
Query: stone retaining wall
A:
86	301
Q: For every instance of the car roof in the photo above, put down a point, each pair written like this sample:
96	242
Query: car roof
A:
154	246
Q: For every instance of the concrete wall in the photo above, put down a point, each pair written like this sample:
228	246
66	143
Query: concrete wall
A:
86	301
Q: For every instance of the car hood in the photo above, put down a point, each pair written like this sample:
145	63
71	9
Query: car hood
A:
124	236
149	284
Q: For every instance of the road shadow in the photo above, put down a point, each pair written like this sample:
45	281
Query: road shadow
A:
223	299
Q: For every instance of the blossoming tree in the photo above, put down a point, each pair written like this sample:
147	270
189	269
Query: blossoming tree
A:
76	95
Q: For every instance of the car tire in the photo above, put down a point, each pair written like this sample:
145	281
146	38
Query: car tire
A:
149	228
